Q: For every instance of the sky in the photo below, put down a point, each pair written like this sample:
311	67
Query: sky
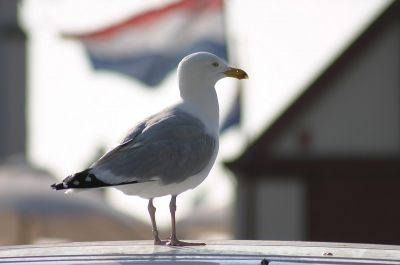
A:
73	110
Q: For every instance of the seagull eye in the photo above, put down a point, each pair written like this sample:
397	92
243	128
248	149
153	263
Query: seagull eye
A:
215	64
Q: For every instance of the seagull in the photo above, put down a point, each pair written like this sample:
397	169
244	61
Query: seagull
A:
169	152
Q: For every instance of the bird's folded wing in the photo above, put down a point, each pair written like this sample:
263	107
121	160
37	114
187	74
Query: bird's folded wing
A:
169	147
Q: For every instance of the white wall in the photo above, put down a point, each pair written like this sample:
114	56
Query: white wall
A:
359	113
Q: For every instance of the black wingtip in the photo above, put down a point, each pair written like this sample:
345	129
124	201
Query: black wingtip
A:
59	186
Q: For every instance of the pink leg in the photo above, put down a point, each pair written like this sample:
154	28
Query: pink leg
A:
174	240
152	212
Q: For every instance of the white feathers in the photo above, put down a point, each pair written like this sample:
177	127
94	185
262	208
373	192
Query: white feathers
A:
71	191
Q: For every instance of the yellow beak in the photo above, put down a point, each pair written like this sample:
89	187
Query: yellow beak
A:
236	73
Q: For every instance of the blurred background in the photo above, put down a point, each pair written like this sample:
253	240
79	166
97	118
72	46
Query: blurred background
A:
309	146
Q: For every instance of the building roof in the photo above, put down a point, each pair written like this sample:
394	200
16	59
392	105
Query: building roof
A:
254	159
31	212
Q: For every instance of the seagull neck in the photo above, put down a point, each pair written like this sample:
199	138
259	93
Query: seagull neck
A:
203	103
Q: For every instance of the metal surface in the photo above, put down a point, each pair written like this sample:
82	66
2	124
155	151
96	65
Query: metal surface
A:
215	252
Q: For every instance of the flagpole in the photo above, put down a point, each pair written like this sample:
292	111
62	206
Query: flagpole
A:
234	117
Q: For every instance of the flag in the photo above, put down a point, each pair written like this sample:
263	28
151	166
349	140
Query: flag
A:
148	46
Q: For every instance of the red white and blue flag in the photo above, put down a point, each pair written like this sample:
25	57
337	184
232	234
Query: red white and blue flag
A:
147	47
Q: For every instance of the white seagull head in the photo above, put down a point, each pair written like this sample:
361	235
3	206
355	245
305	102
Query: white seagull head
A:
203	70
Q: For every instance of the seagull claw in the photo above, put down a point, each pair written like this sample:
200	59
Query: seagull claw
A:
179	243
160	242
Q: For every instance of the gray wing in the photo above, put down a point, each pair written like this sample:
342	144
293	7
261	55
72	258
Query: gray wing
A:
169	147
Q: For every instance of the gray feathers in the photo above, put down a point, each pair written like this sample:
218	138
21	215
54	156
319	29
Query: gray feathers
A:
169	147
